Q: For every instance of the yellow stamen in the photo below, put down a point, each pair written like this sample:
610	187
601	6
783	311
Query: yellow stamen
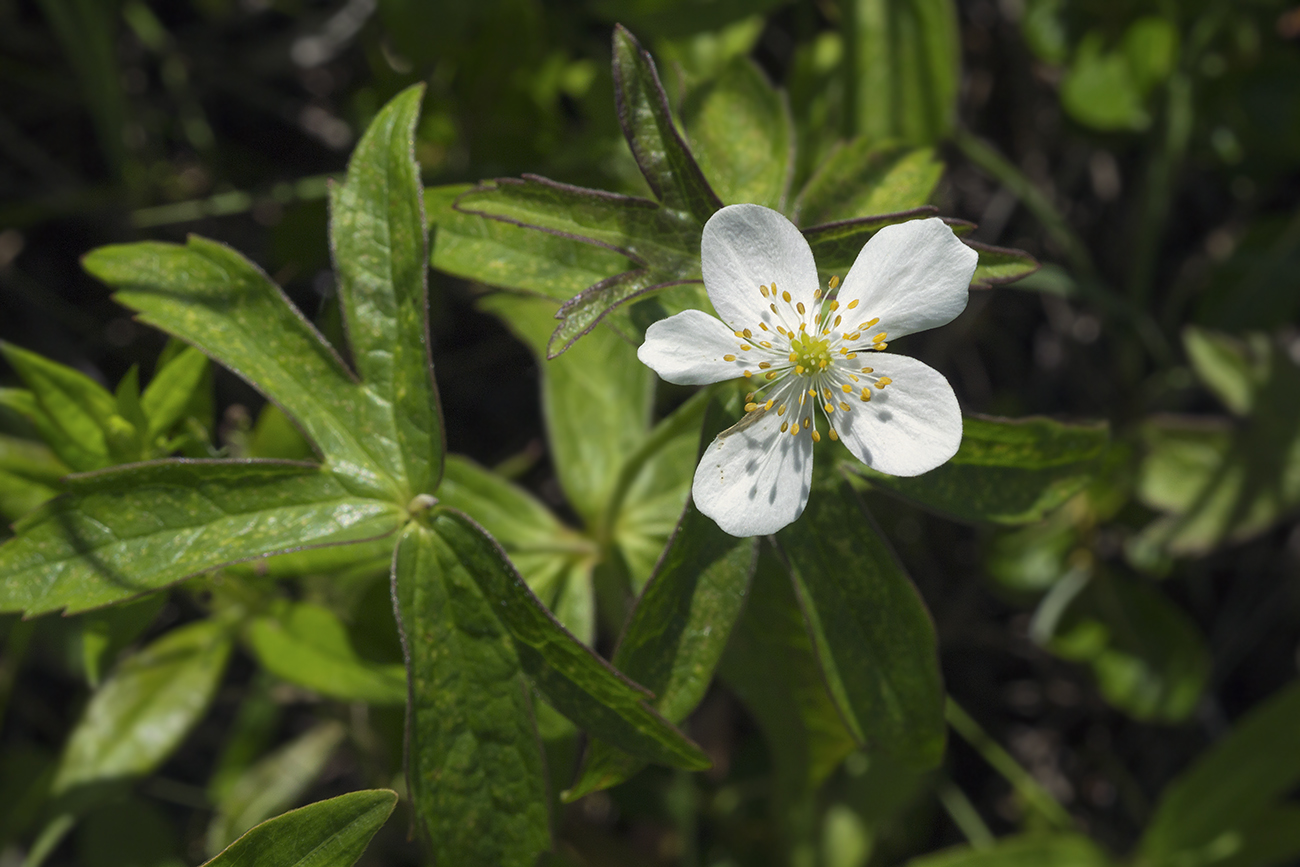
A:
835	281
762	326
768	405
785	296
785	426
835	305
834	436
745	347
763	365
871	323
817	293
750	407
798	368
844	406
728	358
853	303
771	374
800	308
816	437
748	374
846	388
883	381
763	289
780	410
830	407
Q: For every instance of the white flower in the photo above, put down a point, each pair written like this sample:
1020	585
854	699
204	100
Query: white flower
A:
809	352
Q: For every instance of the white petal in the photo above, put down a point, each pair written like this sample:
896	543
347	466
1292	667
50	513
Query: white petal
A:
748	246
753	479
910	426
688	349
913	276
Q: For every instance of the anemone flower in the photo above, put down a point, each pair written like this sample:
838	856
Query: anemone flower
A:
808	352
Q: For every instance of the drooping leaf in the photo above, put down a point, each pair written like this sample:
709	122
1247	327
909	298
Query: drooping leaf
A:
862	178
772	665
330	833
873	635
742	134
905	67
121	532
1028	850
510	256
1209	809
272	784
378	235
677	632
1148	657
572	678
308	645
1007	471
474	762
665	160
209	295
148	705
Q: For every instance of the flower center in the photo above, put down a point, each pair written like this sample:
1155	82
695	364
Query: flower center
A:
811	354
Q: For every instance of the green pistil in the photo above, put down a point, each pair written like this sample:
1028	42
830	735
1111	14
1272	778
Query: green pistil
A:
813	354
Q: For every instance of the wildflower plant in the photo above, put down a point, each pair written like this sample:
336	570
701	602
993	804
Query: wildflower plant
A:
707	536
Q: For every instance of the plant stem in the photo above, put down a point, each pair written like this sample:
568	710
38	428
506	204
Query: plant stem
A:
963	814
1030	790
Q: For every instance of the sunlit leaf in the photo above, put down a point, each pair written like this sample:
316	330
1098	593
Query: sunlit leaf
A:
330	833
863	177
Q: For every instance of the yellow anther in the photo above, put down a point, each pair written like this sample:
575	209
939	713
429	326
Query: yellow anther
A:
844	406
871	323
781	329
780	410
851	355
763	289
794	428
768	405
879	337
830	407
773	306
771	374
816	437
812	392
794	356
750	396
883	381
745	347
868	370
817	293
828	393
836	323
785	426
800	308
728	358
880	347
853	303
763	365
803	327
854	377
798	368
854	336
747	333
739	333
822	364
785	296
865	397
825	332
807	423
765	344
834	436
750	407
835	305
835	281
762	326
748	374
846	388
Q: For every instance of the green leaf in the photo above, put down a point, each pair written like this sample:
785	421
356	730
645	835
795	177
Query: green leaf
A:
1000	265
121	532
71	411
863	177
666	162
1007	471
1232	368
172	390
1148	657
1099	89
742	134
596	402
554	560
106	632
572	678
871	630
905	67
677	632
29	475
208	295
148	705
1207	810
378	234
772	665
1028	850
640	229
835	246
308	645
273	784
584	311
510	256
474	762
330	833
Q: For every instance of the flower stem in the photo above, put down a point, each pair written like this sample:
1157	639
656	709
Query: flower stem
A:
1030	790
963	814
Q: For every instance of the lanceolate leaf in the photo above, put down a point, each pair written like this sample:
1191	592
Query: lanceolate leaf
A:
172	389
577	682
378	233
122	532
142	712
330	833
1006	471
743	136
864	177
71	411
872	633
642	106
677	632
999	265
474	762
512	257
209	295
1238	779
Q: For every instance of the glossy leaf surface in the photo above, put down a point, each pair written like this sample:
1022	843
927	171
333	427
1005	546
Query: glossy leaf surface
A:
331	833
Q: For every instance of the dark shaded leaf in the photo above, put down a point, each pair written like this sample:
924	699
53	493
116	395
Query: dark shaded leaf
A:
862	178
